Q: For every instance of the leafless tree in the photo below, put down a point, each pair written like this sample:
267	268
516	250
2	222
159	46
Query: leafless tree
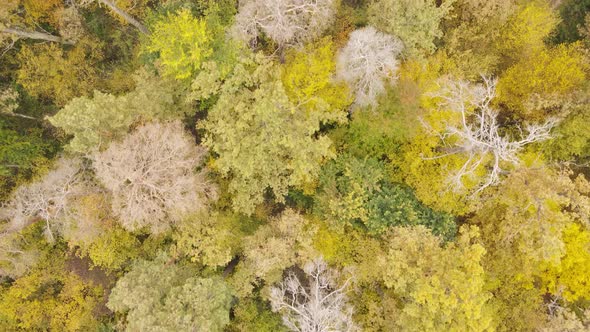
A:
152	176
287	22
316	305
478	134
48	199
368	62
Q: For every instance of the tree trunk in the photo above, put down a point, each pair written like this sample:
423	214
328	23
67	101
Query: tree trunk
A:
36	35
126	17
20	115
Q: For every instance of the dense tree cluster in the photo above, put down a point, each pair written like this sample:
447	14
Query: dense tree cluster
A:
294	165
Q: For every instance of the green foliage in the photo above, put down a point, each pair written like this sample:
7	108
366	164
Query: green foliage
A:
113	249
211	239
21	156
415	22
252	314
571	139
262	140
353	190
572	13
158	295
95	122
380	132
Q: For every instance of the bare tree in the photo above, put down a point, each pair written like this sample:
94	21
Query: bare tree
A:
286	22
477	134
316	305
368	62
48	199
152	176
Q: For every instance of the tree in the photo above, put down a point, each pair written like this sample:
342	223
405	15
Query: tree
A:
568	278
22	155
50	299
72	73
316	305
165	297
473	28
571	141
263	141
254	314
524	223
286	22
368	62
49	198
212	239
477	132
285	241
572	14
439	288
308	80
183	43
538	86
416	23
117	10
526	30
16	23
152	177
353	190
95	122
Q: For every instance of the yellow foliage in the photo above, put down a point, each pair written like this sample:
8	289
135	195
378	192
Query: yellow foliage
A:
548	72
570	277
49	302
183	43
526	30
440	288
307	80
47	71
43	10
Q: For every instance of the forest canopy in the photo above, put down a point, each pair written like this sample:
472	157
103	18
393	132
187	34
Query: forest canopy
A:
295	165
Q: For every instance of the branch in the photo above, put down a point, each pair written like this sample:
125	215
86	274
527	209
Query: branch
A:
36	35
128	18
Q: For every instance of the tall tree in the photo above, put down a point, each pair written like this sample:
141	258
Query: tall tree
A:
152	176
263	141
165	297
284	21
368	63
415	22
318	305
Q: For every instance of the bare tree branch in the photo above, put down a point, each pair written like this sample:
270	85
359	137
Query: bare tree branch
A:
316	306
284	21
368	62
35	35
477	135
